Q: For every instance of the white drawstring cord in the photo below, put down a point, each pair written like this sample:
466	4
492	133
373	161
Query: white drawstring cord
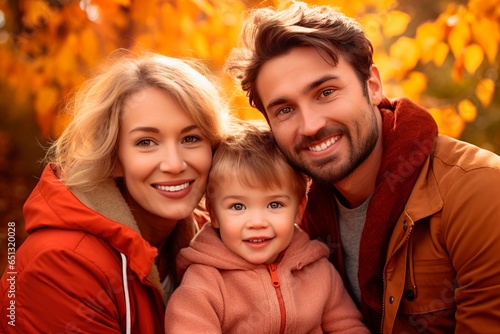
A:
125	290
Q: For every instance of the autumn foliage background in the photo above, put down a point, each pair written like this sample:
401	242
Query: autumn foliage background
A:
442	54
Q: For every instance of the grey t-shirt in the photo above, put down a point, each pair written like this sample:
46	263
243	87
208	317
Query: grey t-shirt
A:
351	223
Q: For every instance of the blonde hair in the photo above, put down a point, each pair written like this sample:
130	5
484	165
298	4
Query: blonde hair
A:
87	149
251	153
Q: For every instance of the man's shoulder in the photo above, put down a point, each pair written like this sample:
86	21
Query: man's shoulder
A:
464	155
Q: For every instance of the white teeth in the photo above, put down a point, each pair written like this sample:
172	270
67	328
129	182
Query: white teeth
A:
324	145
173	188
257	240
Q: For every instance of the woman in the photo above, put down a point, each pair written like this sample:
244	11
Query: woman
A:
116	201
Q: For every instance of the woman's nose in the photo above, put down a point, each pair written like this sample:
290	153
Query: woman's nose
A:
172	161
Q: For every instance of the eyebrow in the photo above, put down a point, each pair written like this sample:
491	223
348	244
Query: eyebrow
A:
156	130
308	88
268	198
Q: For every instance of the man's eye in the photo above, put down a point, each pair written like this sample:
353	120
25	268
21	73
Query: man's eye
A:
284	111
238	206
327	92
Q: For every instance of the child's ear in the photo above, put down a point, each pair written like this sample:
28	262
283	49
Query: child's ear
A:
301	210
213	220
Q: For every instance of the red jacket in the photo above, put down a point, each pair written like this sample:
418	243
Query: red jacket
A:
69	271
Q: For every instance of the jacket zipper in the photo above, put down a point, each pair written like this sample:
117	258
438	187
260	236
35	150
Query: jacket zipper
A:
408	234
276	283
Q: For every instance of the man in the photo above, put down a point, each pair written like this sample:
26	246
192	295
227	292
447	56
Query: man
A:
411	217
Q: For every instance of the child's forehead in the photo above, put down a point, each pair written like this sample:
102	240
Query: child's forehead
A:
247	178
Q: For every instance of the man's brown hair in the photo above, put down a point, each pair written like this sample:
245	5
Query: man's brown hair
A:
268	33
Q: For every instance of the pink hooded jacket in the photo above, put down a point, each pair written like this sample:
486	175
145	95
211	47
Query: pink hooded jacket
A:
223	293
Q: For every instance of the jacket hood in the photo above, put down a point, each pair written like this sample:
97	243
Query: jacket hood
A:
207	249
102	212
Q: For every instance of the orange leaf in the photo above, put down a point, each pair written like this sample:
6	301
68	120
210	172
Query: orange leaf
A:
485	90
89	47
467	110
45	100
458	69
205	6
36	13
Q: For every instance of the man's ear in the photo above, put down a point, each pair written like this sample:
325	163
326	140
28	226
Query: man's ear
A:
213	219
374	83
301	210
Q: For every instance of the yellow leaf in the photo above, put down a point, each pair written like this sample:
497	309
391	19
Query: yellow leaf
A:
200	44
395	23
414	85
473	57
486	32
437	115
448	121
386	65
371	26
427	36
467	110
485	90
440	53
405	50
459	37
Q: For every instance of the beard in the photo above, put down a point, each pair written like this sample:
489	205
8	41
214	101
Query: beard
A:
333	169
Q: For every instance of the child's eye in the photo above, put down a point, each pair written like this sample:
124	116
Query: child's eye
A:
237	206
191	139
274	205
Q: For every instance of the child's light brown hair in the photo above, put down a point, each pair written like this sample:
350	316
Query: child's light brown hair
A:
251	154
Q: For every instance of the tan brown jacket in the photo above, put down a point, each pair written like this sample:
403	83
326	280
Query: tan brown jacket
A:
442	268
